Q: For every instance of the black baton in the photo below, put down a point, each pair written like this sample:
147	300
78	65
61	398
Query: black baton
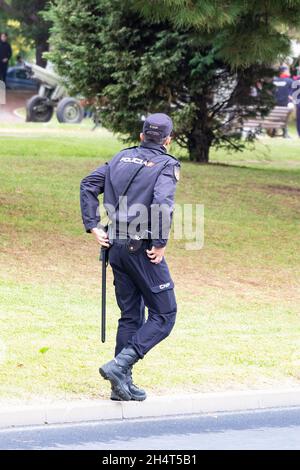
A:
103	259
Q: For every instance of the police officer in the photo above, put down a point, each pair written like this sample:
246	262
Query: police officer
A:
144	177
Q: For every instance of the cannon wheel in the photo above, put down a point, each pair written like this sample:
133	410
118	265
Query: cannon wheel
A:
69	111
38	109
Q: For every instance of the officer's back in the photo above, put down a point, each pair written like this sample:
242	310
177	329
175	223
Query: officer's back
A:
143	165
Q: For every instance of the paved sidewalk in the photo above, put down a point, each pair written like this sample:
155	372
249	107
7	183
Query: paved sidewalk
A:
98	410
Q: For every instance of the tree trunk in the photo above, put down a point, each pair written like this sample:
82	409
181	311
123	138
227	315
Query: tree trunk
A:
201	136
41	47
199	143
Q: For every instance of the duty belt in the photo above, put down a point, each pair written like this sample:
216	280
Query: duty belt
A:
133	245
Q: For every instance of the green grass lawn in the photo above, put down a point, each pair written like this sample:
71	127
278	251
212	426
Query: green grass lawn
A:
238	322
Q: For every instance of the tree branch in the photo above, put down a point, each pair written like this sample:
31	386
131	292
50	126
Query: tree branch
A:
14	12
7	8
236	147
182	142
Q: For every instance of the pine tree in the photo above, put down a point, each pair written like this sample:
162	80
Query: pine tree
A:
132	62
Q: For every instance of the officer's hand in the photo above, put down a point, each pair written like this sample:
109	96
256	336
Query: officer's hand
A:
156	254
101	237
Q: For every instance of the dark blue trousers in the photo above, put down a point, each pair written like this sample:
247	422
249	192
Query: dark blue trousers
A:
140	283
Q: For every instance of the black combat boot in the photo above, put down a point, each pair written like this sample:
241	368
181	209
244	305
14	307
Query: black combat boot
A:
116	372
137	394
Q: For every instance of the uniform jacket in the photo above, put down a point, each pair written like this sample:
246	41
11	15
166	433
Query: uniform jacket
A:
153	185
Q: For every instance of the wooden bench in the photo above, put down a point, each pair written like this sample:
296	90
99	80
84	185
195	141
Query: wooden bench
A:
276	119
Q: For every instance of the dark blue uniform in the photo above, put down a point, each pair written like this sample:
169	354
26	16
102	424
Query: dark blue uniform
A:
138	282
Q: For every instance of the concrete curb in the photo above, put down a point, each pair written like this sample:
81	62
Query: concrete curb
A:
98	410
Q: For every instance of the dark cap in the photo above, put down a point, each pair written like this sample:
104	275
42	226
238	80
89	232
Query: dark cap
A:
158	126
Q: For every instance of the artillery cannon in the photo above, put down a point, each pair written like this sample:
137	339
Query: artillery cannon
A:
52	94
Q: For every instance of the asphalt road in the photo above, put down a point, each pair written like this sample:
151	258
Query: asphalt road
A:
272	429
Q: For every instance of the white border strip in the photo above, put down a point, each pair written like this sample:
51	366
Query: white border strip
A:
98	410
